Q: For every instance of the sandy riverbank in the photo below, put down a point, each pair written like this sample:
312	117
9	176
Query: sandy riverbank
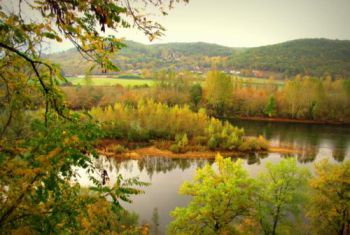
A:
289	120
106	148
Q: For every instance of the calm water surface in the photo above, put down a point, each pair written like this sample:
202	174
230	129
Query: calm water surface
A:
166	175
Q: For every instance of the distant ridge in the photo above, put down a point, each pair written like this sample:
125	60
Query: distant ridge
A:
302	56
315	57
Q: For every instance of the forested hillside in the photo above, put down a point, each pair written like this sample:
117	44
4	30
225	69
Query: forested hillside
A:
305	56
136	56
315	57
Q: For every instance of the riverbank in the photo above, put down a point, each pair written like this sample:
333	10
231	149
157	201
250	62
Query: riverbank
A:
112	148
289	120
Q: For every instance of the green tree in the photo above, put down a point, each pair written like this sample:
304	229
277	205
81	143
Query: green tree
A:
281	194
196	94
270	109
219	90
220	199
329	209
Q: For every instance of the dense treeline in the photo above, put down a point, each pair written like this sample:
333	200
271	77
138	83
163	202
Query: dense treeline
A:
148	120
305	98
315	57
301	98
283	199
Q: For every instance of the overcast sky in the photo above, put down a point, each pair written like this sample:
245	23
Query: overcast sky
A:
249	23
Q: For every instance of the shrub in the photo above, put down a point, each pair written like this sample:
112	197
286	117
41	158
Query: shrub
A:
138	135
212	143
175	148
254	144
201	140
117	148
245	146
182	140
181	143
263	143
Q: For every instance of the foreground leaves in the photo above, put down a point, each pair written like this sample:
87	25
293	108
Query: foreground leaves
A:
220	199
37	188
329	210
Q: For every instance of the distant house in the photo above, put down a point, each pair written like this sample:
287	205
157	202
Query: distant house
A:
258	74
236	72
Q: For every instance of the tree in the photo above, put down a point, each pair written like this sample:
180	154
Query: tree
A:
329	209
219	90
196	94
36	179
220	199
38	157
270	108
292	94
280	195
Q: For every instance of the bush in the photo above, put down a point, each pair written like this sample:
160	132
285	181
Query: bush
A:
137	133
212	143
181	143
223	136
201	140
175	148
245	146
263	143
117	149
181	140
254	144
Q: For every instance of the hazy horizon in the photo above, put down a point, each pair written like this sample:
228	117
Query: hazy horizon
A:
247	23
251	23
160	43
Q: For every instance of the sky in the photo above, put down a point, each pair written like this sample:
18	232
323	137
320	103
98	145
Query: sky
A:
248	23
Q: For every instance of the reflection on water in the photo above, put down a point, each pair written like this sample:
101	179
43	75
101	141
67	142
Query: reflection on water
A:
314	137
166	175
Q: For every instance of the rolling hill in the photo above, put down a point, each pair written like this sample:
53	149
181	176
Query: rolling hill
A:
304	56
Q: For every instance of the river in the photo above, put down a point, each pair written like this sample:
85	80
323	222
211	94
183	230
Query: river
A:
166	175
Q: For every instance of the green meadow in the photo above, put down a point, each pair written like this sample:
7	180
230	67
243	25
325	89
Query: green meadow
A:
111	82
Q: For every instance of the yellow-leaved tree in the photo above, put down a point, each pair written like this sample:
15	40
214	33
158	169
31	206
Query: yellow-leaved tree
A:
329	210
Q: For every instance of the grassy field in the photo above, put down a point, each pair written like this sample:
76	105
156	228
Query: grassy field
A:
261	80
256	82
111	82
134	80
